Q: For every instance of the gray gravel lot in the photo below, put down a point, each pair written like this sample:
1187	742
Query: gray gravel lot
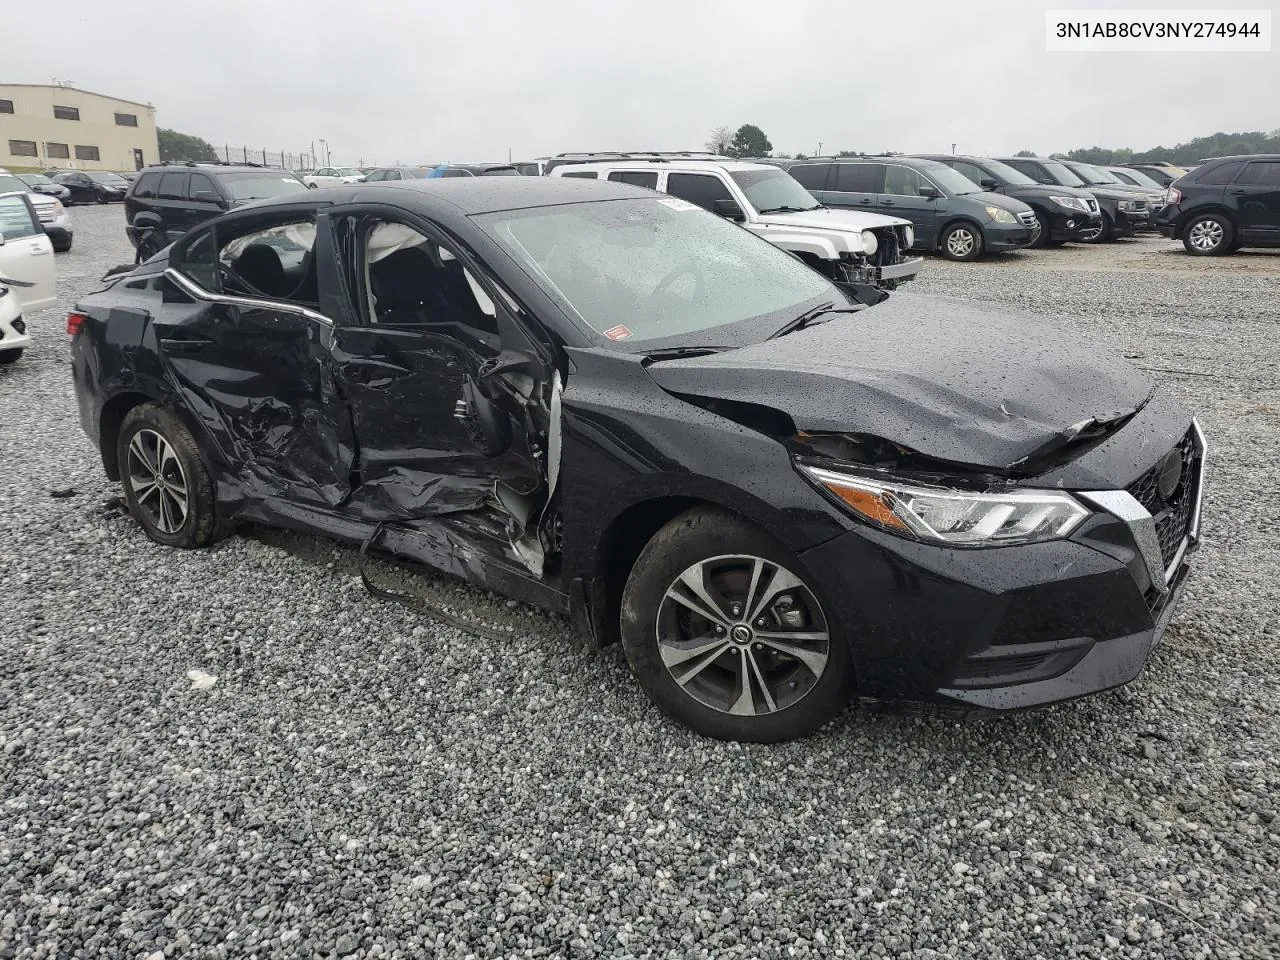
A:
361	781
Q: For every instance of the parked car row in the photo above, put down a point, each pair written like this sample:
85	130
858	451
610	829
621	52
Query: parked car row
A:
775	491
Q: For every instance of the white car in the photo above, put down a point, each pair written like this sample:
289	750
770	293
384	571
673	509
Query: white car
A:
844	245
26	271
54	216
332	177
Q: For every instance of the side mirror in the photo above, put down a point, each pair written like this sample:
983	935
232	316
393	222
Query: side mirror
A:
930	192
207	196
988	183
728	209
508	361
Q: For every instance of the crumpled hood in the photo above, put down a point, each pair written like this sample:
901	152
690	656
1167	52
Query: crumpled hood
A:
942	377
829	219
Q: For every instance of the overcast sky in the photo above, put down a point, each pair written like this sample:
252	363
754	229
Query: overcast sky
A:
467	79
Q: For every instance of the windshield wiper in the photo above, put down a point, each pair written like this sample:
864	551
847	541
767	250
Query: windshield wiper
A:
788	209
810	318
679	353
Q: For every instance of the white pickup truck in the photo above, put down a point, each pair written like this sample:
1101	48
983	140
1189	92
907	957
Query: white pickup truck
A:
844	245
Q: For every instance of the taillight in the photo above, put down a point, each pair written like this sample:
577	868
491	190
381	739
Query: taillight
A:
75	321
1173	195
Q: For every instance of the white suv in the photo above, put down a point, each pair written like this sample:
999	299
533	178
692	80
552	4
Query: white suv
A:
842	244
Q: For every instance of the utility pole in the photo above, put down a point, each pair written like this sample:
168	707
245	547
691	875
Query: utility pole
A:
953	148
819	153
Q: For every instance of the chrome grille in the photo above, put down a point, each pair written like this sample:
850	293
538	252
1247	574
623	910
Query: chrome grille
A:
1093	205
1028	218
45	213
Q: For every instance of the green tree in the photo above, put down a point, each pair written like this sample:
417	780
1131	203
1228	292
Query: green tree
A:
750	141
183	146
1025	153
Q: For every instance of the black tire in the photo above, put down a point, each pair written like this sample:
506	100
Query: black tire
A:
10	356
200	525
1208	235
952	246
714	537
1042	239
1056	242
62	248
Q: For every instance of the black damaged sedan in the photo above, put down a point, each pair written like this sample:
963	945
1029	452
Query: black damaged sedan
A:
617	406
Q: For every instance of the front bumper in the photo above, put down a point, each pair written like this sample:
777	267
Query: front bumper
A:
906	270
1071	225
13	334
1130	222
1016	627
1007	236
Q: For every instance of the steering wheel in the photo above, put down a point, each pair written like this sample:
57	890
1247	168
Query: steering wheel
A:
665	283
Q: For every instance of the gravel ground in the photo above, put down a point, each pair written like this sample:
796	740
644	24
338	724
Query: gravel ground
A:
238	752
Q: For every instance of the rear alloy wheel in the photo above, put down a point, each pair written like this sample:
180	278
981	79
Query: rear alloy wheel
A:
1209	235
166	487
727	636
962	242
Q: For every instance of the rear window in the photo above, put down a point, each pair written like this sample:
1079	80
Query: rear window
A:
638	178
146	185
582	175
1222	173
500	172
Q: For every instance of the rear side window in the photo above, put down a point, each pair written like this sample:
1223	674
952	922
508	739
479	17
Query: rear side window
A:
582	175
698	188
638	178
147	185
1032	170
173	186
1262	173
811	176
1222	173
859	177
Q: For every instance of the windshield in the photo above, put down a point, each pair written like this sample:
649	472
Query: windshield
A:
1009	175
952	181
256	186
1091	174
652	269
31	179
1136	177
100	176
771	190
1061	174
8	184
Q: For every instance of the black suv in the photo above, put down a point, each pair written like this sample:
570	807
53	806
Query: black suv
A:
1123	211
1225	204
1063	213
167	200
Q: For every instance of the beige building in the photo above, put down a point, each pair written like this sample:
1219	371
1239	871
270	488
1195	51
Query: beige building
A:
48	125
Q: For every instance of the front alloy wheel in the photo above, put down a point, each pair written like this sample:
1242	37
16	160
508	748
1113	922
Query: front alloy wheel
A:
742	635
726	633
962	242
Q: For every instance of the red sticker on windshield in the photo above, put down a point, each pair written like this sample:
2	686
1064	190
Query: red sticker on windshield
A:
620	332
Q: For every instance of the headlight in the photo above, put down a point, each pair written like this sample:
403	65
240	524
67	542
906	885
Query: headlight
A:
1071	203
869	243
58	209
1001	215
908	237
956	517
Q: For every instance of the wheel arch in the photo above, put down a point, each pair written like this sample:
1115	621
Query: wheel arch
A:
117	407
1217	209
956	220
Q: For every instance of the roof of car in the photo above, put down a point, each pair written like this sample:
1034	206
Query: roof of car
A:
643	163
472	195
209	168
